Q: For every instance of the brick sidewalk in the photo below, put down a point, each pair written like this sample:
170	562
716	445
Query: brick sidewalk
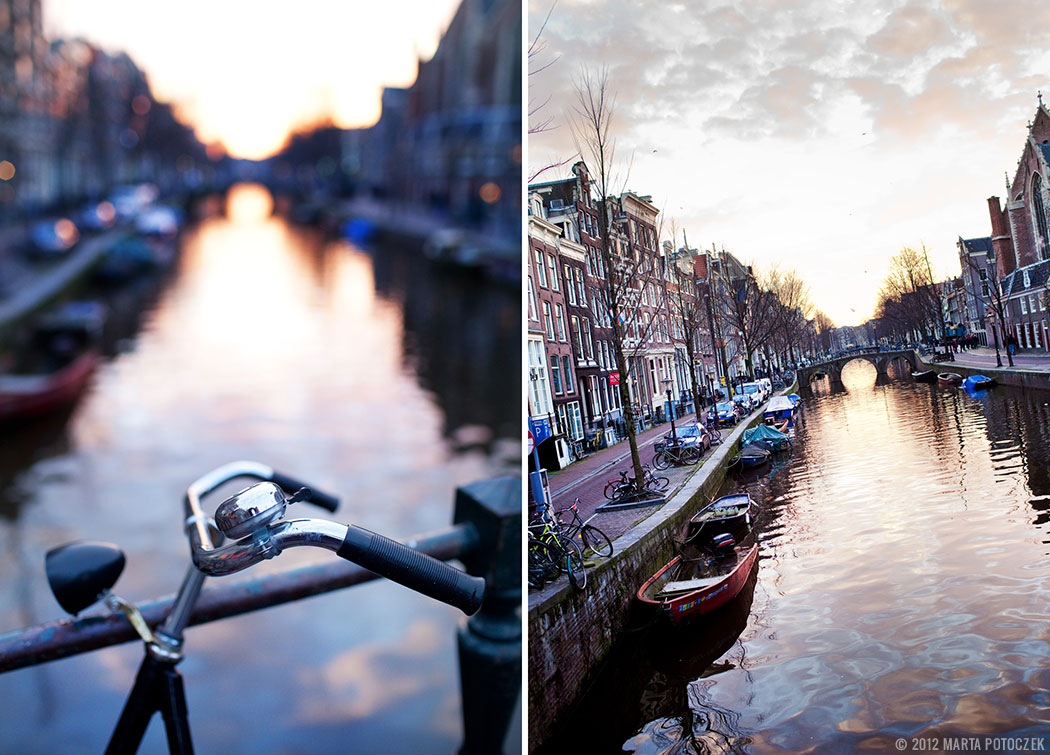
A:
586	480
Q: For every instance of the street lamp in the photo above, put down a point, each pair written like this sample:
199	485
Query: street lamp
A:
670	411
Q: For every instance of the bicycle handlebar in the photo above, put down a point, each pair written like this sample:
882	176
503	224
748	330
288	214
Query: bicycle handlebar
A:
387	558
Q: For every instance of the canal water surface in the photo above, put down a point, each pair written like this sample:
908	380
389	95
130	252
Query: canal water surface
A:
903	590
368	374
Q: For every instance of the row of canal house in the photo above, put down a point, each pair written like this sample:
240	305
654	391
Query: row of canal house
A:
573	380
1017	254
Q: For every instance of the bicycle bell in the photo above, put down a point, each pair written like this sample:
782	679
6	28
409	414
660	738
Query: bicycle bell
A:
252	509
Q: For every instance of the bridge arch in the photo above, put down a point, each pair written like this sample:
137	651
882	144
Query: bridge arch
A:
880	360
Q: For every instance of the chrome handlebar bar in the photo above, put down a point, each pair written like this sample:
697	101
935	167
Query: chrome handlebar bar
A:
272	535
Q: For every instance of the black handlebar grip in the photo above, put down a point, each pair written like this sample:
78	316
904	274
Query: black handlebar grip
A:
417	571
317	498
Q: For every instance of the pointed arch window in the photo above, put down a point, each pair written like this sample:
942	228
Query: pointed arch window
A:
1040	213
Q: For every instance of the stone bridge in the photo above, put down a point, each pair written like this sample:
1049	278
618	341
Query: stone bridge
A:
833	367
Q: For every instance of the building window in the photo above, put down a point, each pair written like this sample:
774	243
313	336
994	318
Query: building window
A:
538	379
555	374
1024	305
569	287
548	320
567	367
1040	213
553	265
541	271
560	313
532	301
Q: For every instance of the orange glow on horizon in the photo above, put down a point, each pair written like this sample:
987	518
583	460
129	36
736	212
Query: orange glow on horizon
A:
257	73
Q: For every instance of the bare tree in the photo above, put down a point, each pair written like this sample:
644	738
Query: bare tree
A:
751	311
539	121
685	309
908	296
997	304
795	308
627	249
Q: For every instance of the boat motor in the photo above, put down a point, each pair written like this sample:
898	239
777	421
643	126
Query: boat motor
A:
723	544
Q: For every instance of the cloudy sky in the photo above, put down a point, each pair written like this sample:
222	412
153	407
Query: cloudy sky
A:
246	73
822	135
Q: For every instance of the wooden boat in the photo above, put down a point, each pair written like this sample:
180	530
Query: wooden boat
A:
54	367
949	378
698	581
730	513
25	396
750	457
924	376
978	382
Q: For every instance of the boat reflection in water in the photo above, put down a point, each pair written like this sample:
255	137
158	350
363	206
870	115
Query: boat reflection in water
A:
672	703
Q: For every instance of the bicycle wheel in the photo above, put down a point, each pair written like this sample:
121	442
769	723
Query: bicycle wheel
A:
690	455
715	433
596	541
574	565
611	487
661	460
658	483
543	563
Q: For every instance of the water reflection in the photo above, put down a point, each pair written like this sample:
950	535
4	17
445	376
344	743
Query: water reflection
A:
269	342
902	591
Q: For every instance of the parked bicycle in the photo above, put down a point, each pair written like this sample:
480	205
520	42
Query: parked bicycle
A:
592	538
626	487
82	573
673	454
552	554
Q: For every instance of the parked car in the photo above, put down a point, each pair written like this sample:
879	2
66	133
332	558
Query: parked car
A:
52	238
724	413
691	435
97	216
751	390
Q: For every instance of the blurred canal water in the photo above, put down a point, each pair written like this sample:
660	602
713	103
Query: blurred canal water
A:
372	375
903	590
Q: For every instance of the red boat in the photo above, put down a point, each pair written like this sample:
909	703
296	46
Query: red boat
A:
949	378
697	582
25	396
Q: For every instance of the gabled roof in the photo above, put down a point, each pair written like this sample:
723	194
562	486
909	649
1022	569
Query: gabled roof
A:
983	244
1038	274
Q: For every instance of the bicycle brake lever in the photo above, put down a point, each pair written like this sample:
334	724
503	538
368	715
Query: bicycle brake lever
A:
117	603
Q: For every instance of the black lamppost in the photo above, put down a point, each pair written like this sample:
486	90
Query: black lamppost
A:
670	411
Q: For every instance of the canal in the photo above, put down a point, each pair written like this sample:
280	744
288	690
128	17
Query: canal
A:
903	590
369	373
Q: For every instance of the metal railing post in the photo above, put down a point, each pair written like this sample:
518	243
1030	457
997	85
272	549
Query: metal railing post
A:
490	641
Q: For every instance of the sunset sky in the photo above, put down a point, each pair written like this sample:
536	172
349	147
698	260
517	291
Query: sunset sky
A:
820	135
247	73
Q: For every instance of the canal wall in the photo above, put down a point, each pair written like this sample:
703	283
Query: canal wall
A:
1019	378
570	632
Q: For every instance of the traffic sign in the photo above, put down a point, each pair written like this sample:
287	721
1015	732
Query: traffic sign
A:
532	443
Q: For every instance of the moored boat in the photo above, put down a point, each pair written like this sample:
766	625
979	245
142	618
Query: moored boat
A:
924	376
771	438
54	368
778	411
26	396
730	513
699	580
978	382
750	457
949	378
